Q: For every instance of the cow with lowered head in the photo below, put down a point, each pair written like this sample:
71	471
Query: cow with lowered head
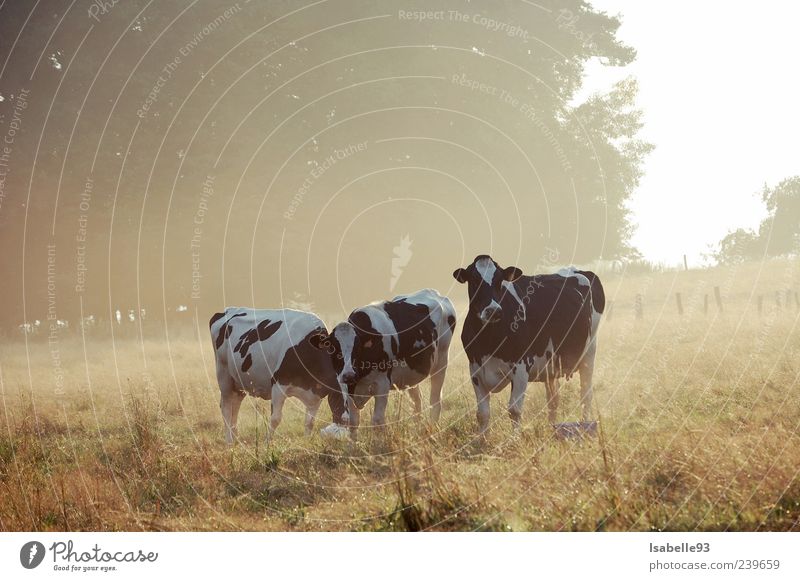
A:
272	354
520	329
396	343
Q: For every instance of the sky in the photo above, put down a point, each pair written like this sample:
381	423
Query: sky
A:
719	90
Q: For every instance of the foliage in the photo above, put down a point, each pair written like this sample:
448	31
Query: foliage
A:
778	234
251	97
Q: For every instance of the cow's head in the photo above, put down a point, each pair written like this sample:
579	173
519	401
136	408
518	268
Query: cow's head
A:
354	348
484	279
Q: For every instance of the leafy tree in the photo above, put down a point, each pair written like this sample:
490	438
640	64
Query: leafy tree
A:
780	231
738	246
778	234
551	172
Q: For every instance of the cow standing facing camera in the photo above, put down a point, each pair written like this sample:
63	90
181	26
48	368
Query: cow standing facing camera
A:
396	343
521	328
273	354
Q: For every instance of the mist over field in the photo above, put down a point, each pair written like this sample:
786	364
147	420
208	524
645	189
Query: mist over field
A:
160	162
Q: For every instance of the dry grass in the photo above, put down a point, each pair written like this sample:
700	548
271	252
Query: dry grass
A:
699	420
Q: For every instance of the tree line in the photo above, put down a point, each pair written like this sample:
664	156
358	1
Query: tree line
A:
778	234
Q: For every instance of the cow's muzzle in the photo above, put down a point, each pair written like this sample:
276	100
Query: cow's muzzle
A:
349	378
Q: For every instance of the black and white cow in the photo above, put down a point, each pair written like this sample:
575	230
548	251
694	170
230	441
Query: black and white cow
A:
273	354
396	343
521	328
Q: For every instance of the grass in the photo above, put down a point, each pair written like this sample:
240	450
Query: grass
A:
699	417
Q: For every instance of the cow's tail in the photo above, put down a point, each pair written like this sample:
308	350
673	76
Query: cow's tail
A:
598	293
446	323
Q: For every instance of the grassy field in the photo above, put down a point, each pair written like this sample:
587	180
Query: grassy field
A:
699	417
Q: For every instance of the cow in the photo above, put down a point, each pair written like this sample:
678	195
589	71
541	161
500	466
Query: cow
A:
273	354
520	329
396	343
88	322
30	328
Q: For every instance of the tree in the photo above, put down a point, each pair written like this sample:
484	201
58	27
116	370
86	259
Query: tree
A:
780	231
738	246
507	160
778	234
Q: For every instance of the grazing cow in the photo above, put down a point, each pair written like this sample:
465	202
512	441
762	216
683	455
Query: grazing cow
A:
88	322
30	328
396	343
272	354
520	329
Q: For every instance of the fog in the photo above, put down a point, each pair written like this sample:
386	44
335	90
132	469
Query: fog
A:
317	155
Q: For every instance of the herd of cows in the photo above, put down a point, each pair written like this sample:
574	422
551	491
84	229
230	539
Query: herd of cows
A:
518	329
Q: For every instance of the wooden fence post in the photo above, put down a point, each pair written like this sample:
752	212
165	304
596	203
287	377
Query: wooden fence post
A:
679	303
637	305
718	298
685	264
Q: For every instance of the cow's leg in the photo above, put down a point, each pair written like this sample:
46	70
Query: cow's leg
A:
586	370
235	406
336	401
482	399
278	399
416	399
382	388
437	381
519	385
312	407
354	416
551	389
229	403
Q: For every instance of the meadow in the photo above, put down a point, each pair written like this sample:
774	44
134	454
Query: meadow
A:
698	415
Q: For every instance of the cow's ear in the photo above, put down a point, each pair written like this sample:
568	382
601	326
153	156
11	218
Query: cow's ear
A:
319	340
511	273
460	275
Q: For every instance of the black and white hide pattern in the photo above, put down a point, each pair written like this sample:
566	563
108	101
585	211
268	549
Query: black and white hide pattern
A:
393	344
522	329
272	354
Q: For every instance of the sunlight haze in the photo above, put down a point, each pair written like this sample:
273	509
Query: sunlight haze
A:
715	99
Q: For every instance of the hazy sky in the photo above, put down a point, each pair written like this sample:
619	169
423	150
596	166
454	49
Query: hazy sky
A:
720	92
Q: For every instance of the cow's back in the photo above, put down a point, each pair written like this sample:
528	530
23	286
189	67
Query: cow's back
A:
590	279
441	310
415	331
